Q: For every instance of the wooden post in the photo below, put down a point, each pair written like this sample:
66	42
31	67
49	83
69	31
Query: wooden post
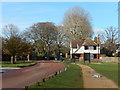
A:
38	83
55	73
44	80
52	76
26	87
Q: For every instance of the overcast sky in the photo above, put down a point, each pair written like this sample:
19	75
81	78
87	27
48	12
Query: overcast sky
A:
25	14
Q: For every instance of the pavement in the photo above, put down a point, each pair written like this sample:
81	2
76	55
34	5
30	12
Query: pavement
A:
26	76
10	68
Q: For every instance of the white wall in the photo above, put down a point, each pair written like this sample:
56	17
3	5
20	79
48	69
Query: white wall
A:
82	50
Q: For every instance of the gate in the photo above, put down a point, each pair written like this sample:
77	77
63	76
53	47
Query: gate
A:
86	57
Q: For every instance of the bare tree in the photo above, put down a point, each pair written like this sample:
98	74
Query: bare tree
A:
110	40
111	34
10	30
77	23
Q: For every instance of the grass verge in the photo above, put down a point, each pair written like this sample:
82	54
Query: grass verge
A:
72	78
17	64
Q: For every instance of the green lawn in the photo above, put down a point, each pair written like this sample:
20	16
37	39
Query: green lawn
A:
110	70
17	64
72	78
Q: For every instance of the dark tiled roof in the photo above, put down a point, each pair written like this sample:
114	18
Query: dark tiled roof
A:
89	42
74	43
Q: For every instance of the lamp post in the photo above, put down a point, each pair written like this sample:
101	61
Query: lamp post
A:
59	51
48	51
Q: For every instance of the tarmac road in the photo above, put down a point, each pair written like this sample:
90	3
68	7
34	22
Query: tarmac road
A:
29	75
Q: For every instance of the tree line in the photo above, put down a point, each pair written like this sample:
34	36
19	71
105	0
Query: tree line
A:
45	39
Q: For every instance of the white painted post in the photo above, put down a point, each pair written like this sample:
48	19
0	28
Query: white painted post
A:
28	57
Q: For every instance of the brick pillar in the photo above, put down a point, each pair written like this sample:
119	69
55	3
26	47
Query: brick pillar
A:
82	55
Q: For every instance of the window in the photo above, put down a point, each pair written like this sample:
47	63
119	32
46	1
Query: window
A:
86	47
91	48
94	47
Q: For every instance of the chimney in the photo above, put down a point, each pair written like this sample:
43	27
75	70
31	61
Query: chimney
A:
98	40
83	38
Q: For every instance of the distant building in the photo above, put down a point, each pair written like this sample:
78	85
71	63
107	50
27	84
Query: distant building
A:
85	49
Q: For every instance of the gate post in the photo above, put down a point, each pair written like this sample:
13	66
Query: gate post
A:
84	57
89	58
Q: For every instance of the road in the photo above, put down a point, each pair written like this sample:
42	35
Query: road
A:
29	75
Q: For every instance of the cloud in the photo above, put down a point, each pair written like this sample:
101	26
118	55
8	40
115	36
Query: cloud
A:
98	30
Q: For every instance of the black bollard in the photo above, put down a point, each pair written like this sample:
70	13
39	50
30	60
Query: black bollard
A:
55	73
44	80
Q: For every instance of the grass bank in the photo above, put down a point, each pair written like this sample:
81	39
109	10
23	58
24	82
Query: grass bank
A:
108	69
17	64
72	78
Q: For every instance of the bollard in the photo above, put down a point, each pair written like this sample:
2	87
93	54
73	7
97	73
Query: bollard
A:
65	68
55	73
38	83
44	80
49	77
26	87
52	76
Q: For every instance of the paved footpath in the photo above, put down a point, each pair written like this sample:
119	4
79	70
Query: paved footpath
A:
92	82
29	75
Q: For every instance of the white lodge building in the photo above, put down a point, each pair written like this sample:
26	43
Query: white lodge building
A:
85	49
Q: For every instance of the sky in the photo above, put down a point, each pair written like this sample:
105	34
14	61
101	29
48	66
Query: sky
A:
25	14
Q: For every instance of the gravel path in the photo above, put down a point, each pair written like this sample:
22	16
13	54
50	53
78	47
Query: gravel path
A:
92	82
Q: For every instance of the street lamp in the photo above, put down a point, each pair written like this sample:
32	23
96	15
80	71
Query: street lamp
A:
48	51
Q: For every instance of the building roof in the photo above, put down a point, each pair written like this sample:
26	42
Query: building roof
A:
87	42
74	43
